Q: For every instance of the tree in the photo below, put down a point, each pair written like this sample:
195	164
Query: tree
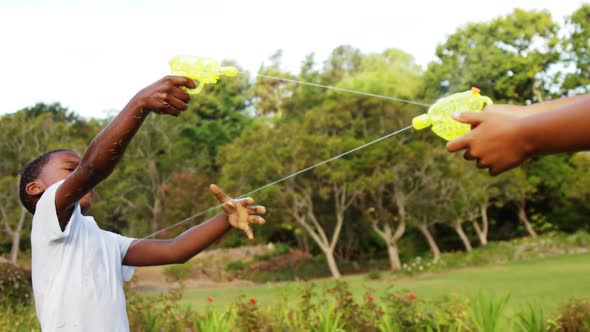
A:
517	188
388	169
576	46
481	190
272	156
507	58
427	205
344	61
580	188
270	94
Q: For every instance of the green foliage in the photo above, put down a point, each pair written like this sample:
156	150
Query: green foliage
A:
374	275
507	58
500	252
354	316
576	45
247	314
236	266
532	319
213	322
487	312
279	249
15	289
333	308
20	318
177	272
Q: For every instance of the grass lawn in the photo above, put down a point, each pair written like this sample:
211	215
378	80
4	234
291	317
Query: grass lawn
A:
545	282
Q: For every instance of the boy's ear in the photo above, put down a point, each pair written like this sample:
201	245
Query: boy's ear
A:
34	188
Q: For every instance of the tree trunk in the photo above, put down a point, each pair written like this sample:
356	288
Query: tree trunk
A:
156	213
464	238
524	219
393	256
329	253
305	243
481	235
16	235
315	230
431	242
482	232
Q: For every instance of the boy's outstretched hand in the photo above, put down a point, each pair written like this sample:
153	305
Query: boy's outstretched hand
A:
239	212
166	95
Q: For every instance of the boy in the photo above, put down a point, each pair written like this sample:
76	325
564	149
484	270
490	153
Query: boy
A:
503	136
77	268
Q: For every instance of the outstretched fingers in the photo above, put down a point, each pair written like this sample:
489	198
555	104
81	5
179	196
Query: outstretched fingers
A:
248	232
256	220
246	201
259	209
219	194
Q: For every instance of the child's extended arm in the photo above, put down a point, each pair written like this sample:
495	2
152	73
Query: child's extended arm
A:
164	97
500	141
518	110
237	213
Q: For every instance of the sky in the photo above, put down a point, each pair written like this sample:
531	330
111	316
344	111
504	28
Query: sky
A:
93	56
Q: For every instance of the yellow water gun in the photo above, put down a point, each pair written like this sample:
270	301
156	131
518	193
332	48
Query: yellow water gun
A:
439	115
204	70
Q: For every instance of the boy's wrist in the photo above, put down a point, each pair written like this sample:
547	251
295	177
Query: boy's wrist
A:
527	134
138	107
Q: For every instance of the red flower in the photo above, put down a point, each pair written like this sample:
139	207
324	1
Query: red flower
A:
370	298
253	300
209	299
178	318
411	296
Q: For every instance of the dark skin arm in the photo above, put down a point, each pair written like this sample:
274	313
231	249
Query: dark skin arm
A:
236	213
500	140
106	150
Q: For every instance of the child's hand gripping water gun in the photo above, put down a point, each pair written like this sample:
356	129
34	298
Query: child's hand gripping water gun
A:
204	70
439	114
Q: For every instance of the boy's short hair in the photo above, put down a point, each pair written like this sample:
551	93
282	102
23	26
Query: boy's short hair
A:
31	173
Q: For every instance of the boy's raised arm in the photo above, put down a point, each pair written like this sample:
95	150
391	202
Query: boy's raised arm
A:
106	150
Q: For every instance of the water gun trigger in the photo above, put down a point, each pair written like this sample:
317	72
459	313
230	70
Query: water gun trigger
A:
196	90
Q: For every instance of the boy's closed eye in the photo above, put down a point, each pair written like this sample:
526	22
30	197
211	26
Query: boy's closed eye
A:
70	166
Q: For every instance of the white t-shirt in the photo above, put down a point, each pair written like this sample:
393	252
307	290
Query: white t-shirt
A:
78	273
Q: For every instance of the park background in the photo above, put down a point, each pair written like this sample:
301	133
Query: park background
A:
421	238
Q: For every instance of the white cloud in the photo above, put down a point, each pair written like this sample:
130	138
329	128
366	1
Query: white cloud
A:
94	57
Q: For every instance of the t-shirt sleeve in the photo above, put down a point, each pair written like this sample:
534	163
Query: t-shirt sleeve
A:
124	243
45	221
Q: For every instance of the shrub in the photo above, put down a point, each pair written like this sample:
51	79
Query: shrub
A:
532	320
15	288
247	315
279	249
374	275
574	316
18	318
236	266
406	311
177	272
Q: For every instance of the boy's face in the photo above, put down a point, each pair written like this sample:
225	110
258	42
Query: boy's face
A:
60	166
